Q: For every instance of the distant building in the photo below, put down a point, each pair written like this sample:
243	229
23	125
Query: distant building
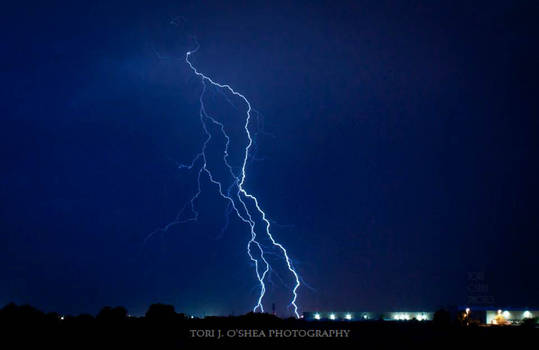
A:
509	316
499	315
480	314
368	316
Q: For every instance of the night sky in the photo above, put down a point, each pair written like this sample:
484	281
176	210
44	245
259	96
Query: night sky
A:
399	152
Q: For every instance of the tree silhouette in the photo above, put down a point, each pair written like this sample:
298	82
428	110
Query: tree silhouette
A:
163	313
442	318
109	314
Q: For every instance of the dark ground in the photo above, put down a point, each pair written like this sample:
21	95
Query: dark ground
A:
162	327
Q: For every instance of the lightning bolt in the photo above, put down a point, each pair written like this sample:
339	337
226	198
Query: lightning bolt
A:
236	194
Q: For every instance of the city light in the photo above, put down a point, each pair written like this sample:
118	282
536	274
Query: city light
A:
348	316
404	316
332	316
317	316
527	314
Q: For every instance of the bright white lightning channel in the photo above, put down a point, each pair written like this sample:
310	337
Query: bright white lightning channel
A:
240	198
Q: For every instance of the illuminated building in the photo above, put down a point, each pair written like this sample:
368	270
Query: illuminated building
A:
500	316
509	316
368	316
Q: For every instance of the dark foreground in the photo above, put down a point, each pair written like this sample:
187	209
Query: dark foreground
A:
164	328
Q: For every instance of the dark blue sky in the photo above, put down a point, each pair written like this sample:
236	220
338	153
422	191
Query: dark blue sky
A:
401	152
